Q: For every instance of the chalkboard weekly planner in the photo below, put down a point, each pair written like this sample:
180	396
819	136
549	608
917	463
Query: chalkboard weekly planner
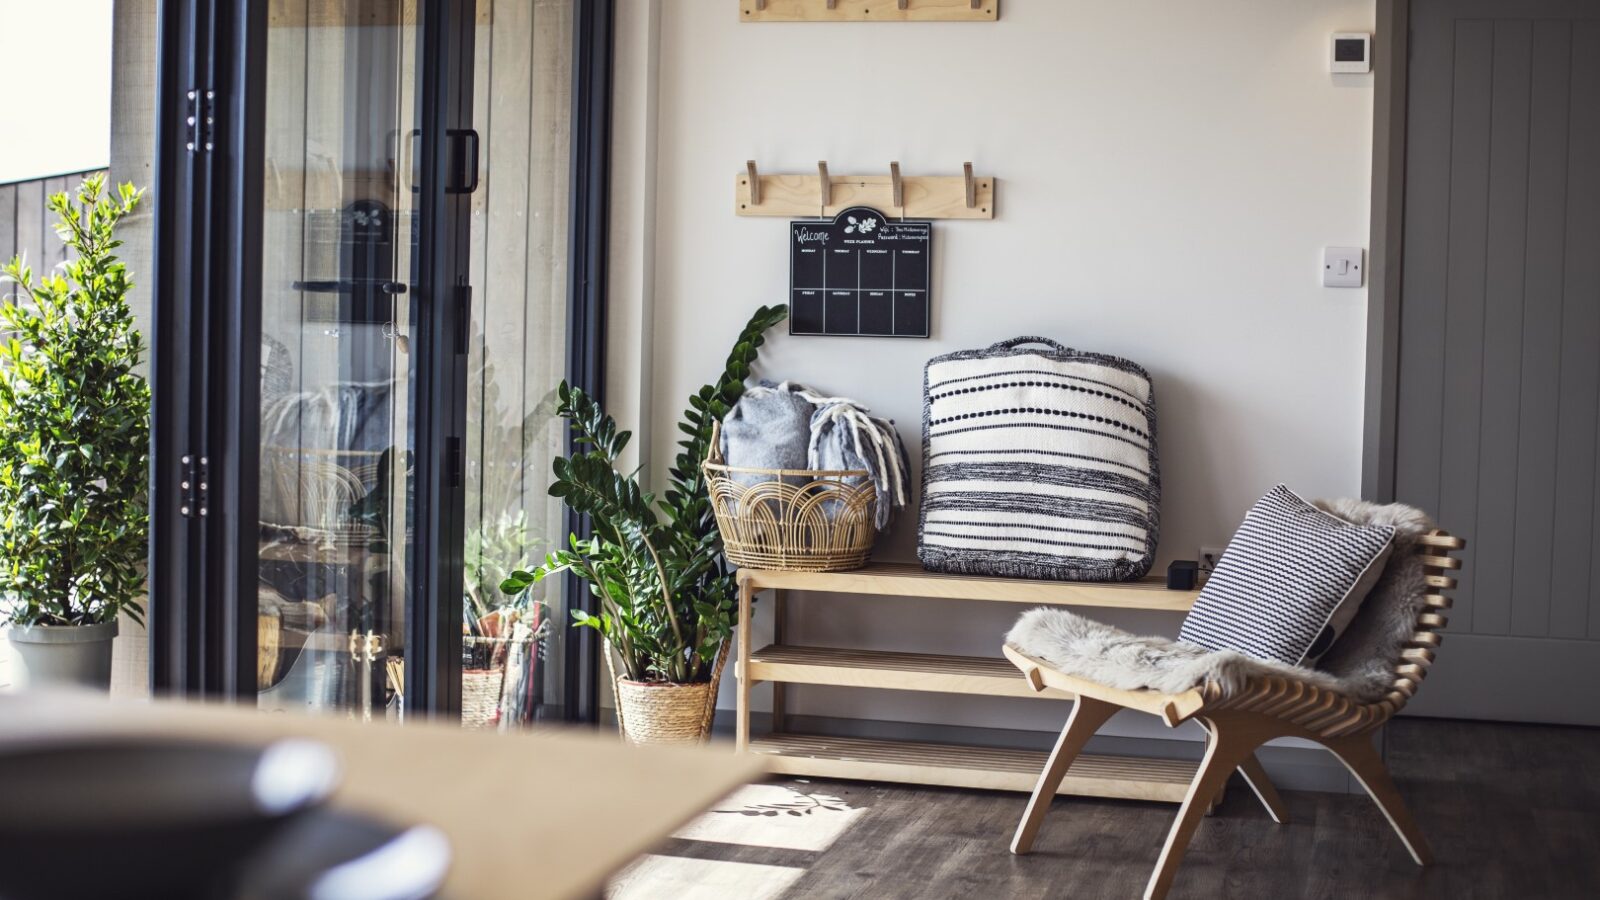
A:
859	274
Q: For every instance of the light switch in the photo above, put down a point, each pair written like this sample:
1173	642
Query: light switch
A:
1341	267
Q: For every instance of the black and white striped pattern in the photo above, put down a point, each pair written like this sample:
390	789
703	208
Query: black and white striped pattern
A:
1038	464
1291	578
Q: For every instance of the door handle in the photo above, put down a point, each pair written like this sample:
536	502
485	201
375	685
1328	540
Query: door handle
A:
464	161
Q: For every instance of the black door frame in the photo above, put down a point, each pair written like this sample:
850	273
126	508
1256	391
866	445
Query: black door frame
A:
1384	263
587	289
206	333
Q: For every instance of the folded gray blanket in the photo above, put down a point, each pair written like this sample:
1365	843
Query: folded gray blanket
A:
769	428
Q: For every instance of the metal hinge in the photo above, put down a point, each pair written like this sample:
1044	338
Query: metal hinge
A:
193	487
200	120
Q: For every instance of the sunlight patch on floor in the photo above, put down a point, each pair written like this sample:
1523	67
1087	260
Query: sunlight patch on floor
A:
654	877
774	815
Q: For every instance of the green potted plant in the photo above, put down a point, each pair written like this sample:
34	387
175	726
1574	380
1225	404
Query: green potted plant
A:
74	442
502	634
667	599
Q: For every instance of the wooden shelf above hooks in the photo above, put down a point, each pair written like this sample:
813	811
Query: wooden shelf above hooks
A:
964	196
869	10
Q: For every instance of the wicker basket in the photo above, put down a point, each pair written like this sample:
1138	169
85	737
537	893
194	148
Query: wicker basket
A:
663	712
803	520
480	697
483	679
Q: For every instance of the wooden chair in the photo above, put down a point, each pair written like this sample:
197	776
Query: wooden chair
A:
1266	708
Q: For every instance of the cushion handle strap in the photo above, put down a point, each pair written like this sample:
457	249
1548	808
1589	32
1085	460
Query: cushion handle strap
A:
1030	339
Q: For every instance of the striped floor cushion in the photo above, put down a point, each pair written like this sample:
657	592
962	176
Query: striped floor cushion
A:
1038	463
1289	582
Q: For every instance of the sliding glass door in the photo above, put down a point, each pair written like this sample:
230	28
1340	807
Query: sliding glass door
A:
365	228
338	417
514	650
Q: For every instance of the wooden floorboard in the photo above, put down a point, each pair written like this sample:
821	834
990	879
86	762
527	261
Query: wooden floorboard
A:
1511	811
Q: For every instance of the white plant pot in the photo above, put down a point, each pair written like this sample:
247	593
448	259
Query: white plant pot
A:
63	655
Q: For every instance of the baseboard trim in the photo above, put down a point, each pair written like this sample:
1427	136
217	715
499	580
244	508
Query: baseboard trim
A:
1511	679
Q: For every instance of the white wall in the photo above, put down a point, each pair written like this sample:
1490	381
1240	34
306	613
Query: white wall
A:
1168	173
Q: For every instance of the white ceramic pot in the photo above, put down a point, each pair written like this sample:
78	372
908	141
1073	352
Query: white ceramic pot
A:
62	655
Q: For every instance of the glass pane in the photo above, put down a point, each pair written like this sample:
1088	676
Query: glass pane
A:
513	652
336	372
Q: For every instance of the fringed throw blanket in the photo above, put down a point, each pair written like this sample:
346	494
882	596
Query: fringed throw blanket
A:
1360	664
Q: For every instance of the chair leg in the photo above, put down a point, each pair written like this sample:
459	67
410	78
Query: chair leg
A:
1087	717
1256	777
1224	752
1361	758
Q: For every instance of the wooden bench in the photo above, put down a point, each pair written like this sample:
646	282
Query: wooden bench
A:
907	762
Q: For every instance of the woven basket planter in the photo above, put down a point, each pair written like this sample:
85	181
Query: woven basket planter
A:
663	712
802	520
483	679
480	697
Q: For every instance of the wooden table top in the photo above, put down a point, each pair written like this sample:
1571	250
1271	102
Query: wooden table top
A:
547	813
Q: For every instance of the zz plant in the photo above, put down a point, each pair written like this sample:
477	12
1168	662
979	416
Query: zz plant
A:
667	601
74	426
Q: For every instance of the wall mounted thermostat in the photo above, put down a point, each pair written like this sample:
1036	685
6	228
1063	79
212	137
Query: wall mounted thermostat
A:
1350	51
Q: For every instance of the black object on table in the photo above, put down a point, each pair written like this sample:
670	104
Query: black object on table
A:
177	819
1183	574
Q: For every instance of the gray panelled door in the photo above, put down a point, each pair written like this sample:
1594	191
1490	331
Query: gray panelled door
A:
1499	386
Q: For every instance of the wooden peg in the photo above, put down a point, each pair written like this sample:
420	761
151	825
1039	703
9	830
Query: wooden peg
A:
977	4
897	188
755	182
825	186
761	5
972	186
901	4
832	3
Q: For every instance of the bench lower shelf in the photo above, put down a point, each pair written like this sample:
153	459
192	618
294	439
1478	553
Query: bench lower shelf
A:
1128	778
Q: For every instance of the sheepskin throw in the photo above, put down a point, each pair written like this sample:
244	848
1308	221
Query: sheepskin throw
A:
1289	582
1038	463
1360	664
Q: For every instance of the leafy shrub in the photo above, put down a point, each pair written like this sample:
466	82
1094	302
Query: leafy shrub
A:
74	426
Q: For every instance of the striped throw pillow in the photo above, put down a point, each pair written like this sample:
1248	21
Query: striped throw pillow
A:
1038	462
1289	582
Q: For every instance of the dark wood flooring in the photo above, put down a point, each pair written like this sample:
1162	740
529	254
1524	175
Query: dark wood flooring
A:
1511	810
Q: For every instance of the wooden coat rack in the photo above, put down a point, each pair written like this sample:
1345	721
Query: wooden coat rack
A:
869	10
964	196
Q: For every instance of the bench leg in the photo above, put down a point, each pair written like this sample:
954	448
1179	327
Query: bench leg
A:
1087	717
